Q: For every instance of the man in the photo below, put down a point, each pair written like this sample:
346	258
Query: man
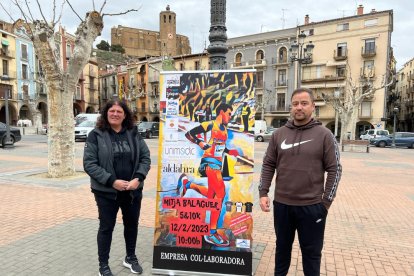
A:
301	152
245	116
210	166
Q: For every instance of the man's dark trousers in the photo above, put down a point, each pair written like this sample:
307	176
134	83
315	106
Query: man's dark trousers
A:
309	221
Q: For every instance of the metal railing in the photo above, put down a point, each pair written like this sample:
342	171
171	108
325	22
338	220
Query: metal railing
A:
340	55
368	52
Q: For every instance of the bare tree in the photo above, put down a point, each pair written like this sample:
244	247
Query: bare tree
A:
61	84
347	99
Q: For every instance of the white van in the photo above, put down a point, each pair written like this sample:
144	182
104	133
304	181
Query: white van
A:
86	117
260	126
372	133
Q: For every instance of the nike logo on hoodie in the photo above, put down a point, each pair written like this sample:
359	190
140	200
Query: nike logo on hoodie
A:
284	146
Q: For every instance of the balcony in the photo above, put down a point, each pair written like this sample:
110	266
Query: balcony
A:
153	78
340	54
142	110
8	75
367	72
368	52
280	61
6	53
249	64
277	108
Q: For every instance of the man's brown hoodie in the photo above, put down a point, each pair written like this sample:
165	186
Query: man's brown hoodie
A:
301	155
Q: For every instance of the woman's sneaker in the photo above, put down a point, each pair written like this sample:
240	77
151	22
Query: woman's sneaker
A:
132	263
104	270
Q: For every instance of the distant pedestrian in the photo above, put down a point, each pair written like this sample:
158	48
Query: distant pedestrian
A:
300	152
245	116
117	160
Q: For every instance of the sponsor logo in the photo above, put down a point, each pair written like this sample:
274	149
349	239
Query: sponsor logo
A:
284	146
171	93
177	168
172	107
171	124
242	243
173	80
180	151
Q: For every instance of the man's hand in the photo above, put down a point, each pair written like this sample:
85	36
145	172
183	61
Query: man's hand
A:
120	185
265	204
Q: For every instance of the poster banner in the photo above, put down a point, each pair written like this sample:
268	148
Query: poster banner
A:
205	187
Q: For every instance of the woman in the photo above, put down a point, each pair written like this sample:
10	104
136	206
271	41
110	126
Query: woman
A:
117	160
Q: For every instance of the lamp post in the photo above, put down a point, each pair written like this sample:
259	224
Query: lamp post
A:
301	53
7	143
395	124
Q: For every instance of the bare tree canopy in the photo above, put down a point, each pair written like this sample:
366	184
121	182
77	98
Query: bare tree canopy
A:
60	76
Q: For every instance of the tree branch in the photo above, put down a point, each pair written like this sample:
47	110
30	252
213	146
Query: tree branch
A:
121	13
103	5
74	11
30	13
61	12
41	11
7	12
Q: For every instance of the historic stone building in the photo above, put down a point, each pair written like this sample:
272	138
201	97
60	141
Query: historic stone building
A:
146	43
404	97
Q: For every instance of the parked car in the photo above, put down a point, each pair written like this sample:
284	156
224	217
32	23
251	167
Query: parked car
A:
15	135
402	139
265	136
372	133
81	117
149	129
83	129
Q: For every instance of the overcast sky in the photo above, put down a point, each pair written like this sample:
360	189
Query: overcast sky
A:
243	17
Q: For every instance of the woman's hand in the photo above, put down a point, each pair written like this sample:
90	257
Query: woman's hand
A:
133	184
120	185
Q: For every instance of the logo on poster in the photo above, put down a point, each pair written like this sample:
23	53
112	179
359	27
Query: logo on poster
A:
172	108
173	81
180	151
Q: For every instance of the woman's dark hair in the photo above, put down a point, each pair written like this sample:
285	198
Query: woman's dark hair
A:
103	123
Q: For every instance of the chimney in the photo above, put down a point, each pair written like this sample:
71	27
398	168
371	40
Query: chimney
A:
307	19
360	10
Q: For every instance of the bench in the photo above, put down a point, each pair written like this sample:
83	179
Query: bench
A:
355	145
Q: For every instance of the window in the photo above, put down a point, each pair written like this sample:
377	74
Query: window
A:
308	32
317	111
259	56
369	46
5	68
24	71
282	55
342	27
368	67
238	59
341	49
366	109
197	65
25	89
143	107
259	79
24	51
371	22
68	51
282	78
281	101
341	71
181	66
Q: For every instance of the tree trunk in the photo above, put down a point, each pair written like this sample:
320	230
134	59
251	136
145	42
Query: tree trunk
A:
61	150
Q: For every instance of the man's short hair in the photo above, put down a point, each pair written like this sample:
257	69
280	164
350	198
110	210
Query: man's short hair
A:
301	90
224	107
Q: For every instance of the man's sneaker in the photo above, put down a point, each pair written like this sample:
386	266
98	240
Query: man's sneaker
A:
217	240
182	183
132	263
104	270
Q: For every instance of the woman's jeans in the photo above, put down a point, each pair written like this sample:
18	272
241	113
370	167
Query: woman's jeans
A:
108	209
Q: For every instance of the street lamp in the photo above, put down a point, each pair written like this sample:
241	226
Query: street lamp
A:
301	53
7	143
395	124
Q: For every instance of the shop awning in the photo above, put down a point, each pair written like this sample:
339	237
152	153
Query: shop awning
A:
4	42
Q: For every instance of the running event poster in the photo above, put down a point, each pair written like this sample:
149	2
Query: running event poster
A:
203	220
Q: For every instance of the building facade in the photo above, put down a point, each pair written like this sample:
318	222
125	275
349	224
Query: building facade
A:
146	43
268	53
404	97
357	49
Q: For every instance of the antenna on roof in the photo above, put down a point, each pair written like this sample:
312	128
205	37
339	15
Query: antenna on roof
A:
283	18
